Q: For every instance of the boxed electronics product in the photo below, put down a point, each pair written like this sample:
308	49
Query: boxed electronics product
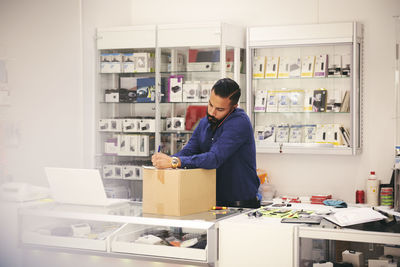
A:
147	125
110	63
144	62
130	125
259	67
296	100
320	69
178	192
111	146
260	102
144	145
111	95
131	172
265	134
295	67
319	100
284	67
333	135
127	96
111	171
175	124
127	145
307	66
353	257
215	66
199	66
110	125
282	134
145	90
175	84
296	134
321	133
334	101
205	90
283	101
128	64
335	66
308	100
271	70
309	133
180	63
346	64
272	101
191	91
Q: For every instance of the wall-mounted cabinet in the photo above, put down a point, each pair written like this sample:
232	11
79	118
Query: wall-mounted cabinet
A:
153	87
304	88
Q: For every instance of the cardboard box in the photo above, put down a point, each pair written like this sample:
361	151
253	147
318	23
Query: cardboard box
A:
178	192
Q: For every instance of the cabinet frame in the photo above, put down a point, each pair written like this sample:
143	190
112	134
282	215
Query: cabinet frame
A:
308	35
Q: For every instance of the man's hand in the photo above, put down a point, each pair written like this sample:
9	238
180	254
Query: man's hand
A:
161	160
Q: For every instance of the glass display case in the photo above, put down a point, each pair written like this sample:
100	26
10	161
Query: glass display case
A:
154	84
122	231
370	244
305	88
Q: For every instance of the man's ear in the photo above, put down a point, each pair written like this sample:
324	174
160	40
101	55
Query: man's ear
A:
235	106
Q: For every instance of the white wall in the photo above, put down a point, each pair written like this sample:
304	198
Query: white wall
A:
41	45
312	174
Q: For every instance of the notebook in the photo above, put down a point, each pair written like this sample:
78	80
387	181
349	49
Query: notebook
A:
79	186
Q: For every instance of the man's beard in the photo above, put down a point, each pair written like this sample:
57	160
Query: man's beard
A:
214	122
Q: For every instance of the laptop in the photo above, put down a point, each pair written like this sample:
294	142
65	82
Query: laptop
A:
79	186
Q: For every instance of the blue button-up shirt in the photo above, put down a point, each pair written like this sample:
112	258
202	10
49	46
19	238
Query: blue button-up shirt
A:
231	150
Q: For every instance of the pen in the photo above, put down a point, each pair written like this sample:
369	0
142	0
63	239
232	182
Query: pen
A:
159	148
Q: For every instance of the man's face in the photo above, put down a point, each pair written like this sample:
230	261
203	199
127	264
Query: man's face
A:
218	107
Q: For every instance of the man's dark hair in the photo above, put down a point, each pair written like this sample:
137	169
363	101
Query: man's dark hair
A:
227	88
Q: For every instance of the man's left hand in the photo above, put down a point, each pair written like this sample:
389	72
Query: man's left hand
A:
161	160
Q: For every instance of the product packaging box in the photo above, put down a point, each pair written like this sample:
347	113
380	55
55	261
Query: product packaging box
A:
307	66
146	88
205	90
283	101
265	134
294	68
259	67
272	101
282	134
260	102
284	67
296	100
178	192
129	63
131	125
320	69
175	84
319	102
271	71
296	134
191	91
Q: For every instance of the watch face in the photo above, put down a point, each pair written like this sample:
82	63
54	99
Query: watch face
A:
174	162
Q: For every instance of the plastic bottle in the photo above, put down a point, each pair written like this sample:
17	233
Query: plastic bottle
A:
373	190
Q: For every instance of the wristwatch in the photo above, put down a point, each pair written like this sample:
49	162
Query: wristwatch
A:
174	162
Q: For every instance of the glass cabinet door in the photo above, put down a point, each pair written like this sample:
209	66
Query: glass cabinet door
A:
306	94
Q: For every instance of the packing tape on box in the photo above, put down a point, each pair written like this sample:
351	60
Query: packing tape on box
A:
160	176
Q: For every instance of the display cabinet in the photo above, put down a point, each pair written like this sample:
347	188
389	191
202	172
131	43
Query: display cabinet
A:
125	107
370	244
153	87
122	231
305	88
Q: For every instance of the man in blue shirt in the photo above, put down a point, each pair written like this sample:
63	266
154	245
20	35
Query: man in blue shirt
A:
223	140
